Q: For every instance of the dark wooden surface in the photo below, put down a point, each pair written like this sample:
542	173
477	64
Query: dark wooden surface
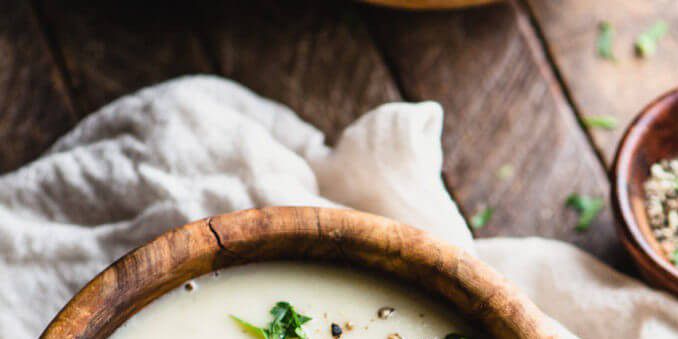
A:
597	86
515	79
35	107
500	109
319	59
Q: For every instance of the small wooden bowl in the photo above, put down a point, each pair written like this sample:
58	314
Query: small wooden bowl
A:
301	233
651	137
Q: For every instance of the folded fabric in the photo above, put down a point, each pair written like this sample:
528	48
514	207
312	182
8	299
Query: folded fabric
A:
201	145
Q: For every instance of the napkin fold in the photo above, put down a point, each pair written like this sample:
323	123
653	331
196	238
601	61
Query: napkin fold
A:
201	145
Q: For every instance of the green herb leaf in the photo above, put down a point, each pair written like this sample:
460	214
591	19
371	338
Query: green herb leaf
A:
605	38
251	329
300	333
280	309
481	218
674	257
587	207
646	43
601	121
303	319
505	172
286	324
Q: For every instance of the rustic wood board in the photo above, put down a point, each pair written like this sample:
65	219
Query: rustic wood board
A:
316	57
502	107
598	86
111	50
34	107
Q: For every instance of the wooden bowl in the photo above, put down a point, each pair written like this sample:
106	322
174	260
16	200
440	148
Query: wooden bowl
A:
302	233
429	4
652	136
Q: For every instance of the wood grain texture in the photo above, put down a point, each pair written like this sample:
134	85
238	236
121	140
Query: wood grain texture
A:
598	86
650	138
34	107
362	239
502	107
429	4
114	48
314	56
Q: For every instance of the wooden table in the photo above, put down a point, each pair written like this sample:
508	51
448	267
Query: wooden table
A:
515	80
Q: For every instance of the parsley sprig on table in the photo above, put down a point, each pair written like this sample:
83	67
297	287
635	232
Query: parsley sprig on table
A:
646	44
588	208
286	324
482	217
605	38
607	122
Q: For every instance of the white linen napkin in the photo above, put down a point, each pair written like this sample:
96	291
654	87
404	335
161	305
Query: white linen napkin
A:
201	145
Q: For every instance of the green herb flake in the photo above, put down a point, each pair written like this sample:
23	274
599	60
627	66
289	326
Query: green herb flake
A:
646	43
601	121
286	324
674	257
505	172
480	219
605	38
256	332
588	208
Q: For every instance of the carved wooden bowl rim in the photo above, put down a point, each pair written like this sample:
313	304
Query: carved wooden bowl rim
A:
305	233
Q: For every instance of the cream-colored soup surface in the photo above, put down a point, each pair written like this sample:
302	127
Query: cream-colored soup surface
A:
326	293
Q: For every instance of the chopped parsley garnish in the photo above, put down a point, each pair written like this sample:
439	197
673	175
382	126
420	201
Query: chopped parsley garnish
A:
601	121
646	43
588	208
481	218
286	324
674	257
605	38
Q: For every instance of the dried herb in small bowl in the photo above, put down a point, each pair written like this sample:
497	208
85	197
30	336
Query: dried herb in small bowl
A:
661	204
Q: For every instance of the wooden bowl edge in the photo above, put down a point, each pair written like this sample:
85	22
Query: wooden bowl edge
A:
635	239
315	233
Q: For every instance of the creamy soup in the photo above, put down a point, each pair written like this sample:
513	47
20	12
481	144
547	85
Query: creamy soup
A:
362	304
